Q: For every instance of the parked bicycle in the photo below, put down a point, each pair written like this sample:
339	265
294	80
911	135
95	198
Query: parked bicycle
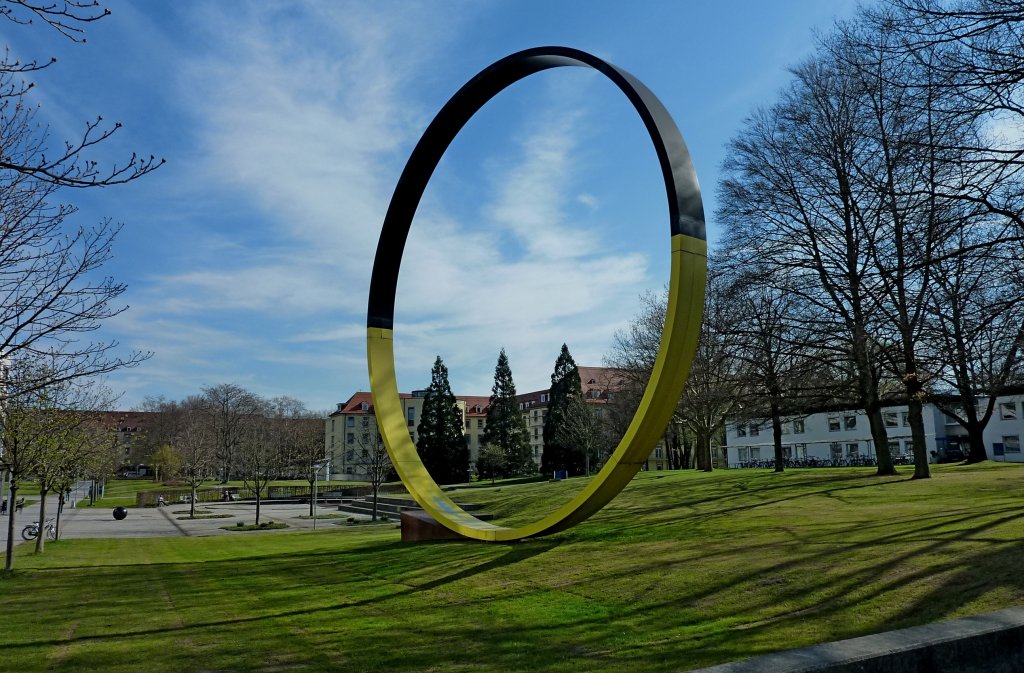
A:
31	531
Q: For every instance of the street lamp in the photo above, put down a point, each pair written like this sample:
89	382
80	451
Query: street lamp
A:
316	474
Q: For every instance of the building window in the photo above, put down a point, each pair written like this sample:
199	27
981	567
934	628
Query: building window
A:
543	397
658	453
534	414
535	433
833	424
894	447
800	450
906	418
787	452
852	450
468	422
755	453
366	422
350	422
785	428
1008	411
332	425
1011	443
469	439
332	441
364	406
366	438
479	423
908	446
411	413
755	430
798	426
890	419
350	454
836	449
742	454
850	422
351	438
366	453
741	431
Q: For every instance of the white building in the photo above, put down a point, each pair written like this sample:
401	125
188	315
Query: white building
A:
846	435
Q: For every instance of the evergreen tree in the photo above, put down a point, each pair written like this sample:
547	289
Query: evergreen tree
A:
565	391
442	446
506	427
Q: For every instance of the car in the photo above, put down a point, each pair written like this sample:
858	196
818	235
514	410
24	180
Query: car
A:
953	454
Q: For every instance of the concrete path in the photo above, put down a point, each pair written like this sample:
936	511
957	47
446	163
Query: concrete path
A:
99	522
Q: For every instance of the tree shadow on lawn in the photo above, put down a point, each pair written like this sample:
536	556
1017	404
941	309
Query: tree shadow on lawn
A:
753	496
511	555
958	582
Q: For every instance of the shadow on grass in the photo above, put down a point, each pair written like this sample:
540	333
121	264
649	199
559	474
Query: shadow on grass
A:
512	554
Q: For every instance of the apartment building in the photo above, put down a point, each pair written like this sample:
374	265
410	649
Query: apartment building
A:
352	427
846	435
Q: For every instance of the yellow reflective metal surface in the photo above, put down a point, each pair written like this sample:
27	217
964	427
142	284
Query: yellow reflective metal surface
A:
672	366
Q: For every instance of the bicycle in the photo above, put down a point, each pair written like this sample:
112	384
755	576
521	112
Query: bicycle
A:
31	531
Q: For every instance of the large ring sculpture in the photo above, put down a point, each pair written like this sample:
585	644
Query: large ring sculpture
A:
682	320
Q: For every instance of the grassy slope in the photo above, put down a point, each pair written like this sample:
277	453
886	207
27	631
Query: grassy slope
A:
682	570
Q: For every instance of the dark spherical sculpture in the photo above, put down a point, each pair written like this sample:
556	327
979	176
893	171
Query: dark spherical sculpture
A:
682	320
120	513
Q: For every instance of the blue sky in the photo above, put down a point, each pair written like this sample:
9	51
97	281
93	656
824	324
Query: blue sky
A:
285	126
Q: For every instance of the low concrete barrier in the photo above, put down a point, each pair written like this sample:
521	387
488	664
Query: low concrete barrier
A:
989	643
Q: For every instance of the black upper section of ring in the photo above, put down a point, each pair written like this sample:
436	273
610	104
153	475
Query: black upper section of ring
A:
686	210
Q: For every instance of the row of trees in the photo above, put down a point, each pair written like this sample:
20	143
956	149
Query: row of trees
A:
574	438
53	435
227	432
873	233
52	292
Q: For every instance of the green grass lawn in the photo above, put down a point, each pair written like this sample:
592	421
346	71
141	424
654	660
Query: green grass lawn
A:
682	570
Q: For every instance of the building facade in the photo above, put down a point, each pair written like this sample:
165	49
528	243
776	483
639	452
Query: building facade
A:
845	436
352	427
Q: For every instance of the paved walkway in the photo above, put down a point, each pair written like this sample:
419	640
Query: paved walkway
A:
99	522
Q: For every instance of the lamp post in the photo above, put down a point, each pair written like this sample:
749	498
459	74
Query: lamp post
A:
316	474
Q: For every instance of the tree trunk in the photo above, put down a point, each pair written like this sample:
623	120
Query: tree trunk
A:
976	436
687	452
311	496
258	489
11	509
922	470
881	440
704	462
60	510
780	460
41	538
375	488
192	503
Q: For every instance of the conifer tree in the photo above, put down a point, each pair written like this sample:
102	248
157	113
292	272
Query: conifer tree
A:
506	427
565	388
442	446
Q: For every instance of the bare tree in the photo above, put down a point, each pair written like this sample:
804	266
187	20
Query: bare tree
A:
581	429
229	408
713	390
264	452
29	154
302	438
69	413
194	446
50	293
373	463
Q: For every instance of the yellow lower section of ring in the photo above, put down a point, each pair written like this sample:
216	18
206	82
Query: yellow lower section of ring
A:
678	344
